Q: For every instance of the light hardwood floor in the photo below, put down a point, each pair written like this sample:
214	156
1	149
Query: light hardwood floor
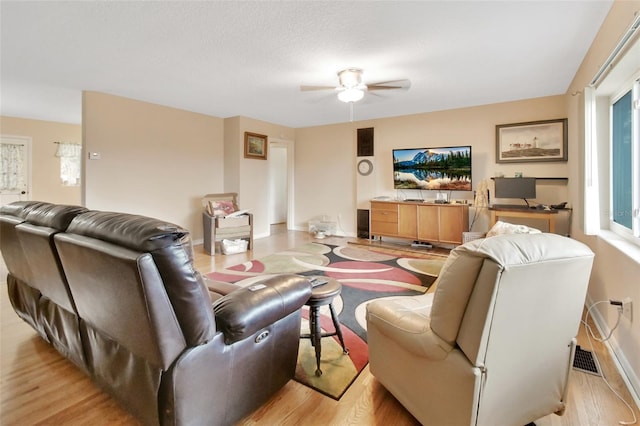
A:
40	387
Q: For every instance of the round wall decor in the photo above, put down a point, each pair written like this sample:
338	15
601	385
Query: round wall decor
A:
365	167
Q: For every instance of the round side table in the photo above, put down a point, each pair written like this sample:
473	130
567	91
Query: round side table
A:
323	295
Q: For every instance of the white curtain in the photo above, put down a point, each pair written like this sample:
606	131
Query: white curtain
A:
12	166
591	187
70	155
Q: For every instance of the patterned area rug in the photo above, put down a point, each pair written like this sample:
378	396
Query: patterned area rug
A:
365	274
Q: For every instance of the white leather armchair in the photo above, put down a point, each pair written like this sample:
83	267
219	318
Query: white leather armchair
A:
494	344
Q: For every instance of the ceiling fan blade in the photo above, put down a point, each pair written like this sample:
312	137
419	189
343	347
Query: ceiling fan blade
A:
371	88
401	82
391	84
311	88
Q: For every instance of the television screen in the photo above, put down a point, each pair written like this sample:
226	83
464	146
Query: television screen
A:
515	187
447	168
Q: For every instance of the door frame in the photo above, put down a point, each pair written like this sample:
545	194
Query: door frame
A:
289	146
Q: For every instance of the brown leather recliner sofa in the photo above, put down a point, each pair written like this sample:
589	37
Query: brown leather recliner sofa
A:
119	296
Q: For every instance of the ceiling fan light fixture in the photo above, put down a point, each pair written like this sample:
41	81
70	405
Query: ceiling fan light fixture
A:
351	77
351	87
351	95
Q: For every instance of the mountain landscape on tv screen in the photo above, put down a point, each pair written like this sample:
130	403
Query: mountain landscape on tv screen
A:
433	168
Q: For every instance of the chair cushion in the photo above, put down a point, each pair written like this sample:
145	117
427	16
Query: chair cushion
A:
406	321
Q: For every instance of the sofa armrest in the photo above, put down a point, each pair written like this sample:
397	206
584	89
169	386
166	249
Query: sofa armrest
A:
243	312
220	287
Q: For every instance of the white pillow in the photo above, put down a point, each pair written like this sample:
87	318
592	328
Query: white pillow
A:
504	228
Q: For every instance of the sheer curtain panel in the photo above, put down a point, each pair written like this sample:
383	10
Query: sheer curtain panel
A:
70	157
12	163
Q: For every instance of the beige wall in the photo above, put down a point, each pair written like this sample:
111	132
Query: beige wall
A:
250	177
326	178
155	161
45	170
232	155
615	273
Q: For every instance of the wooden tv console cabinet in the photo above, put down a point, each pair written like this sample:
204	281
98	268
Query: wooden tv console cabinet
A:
429	222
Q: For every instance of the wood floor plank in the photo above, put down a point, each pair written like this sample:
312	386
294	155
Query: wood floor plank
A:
39	387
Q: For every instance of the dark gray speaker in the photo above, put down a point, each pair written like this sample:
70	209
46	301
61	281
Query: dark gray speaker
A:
363	223
365	142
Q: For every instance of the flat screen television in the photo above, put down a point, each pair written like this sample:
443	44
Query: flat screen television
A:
442	168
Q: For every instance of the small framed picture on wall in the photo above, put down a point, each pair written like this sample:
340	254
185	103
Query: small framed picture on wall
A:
255	146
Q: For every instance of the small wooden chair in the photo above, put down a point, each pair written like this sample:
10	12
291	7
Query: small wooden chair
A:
218	227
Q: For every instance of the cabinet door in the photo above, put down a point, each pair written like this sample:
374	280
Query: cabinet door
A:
428	223
384	219
452	223
408	220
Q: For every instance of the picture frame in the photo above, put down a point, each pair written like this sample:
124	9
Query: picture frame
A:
532	141
255	146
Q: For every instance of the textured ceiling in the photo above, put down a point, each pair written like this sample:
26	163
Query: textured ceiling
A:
250	58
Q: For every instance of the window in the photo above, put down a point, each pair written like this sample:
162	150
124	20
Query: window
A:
70	155
622	153
612	147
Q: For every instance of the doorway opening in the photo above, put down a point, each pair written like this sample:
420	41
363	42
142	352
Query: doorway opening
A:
281	183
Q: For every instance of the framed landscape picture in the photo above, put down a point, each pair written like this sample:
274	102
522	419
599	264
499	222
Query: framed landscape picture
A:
532	141
255	146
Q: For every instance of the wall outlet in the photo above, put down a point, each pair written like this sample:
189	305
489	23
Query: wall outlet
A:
626	308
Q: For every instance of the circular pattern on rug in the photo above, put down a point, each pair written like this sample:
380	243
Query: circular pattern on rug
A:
301	259
353	253
429	267
371	270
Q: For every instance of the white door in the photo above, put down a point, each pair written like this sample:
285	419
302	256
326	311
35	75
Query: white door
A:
15	169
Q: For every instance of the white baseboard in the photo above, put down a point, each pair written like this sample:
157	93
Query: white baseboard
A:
261	235
617	355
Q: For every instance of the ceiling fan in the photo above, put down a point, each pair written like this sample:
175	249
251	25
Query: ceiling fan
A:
351	88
